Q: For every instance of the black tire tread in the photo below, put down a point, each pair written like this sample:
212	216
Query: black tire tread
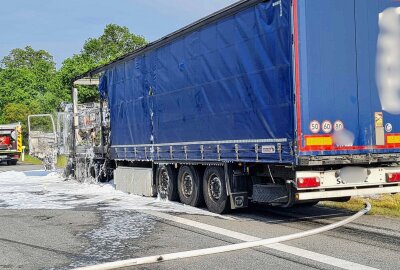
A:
172	186
197	196
12	162
223	204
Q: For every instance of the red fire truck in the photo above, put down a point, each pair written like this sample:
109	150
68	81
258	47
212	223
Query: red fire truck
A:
10	143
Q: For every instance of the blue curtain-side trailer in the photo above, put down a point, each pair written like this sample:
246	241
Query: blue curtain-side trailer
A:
277	102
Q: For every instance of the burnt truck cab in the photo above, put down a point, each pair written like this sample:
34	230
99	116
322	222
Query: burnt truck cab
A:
10	143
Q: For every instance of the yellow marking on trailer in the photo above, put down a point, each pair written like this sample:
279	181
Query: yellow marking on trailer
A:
319	140
378	119
393	139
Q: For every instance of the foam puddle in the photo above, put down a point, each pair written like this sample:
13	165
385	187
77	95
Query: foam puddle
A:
48	190
114	239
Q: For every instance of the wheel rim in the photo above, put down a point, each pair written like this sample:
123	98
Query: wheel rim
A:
164	181
187	185
214	187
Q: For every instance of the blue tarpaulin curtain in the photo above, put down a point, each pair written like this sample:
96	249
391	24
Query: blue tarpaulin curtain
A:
228	80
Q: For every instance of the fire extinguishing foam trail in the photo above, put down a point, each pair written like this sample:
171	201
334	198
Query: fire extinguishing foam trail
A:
229	248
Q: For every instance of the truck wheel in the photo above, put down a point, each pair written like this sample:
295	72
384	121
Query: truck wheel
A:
189	186
12	162
214	189
92	172
166	181
96	173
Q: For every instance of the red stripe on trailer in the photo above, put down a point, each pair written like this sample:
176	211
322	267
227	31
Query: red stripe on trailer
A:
297	72
347	148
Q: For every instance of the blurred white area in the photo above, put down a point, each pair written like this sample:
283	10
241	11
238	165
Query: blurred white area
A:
343	137
388	60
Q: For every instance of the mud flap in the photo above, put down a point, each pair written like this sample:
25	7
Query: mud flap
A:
239	200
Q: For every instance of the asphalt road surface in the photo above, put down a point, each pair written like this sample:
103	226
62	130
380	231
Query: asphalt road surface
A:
87	235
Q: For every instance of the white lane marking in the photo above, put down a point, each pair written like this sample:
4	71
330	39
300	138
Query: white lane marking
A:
226	248
329	260
319	257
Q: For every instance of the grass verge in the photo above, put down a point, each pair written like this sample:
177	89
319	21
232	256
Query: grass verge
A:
31	160
61	161
383	205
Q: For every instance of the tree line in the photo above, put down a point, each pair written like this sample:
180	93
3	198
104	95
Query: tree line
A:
31	84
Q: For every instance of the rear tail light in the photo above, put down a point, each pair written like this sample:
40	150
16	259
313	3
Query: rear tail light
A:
16	156
393	177
308	182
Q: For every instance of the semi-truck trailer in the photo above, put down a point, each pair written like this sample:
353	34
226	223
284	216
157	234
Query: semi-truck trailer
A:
279	102
10	143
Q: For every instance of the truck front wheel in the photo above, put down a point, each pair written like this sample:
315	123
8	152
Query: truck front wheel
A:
189	186
166	183
12	162
214	189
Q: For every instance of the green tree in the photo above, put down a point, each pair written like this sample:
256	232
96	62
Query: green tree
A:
113	43
72	67
29	58
28	85
29	81
16	112
35	68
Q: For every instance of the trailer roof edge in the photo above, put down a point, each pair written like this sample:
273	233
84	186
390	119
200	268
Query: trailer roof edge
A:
229	10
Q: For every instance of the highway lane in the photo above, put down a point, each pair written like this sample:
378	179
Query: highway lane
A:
347	244
85	235
20	167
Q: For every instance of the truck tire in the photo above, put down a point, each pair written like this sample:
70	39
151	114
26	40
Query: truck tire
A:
167	183
189	186
214	189
97	173
12	162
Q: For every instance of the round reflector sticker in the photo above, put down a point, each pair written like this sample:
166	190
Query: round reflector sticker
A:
315	126
327	126
388	127
338	125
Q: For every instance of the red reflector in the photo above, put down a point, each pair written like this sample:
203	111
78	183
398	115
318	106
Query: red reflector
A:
16	156
308	182
392	177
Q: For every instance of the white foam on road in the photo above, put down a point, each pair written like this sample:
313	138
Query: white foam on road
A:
43	190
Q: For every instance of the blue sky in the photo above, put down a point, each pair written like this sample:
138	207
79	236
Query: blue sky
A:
62	26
